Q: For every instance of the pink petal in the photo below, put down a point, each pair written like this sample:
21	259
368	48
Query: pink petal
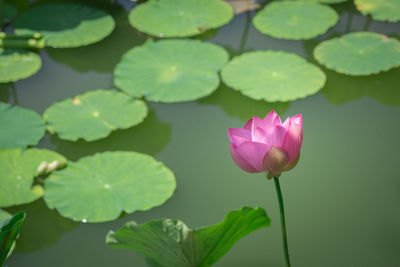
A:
275	136
271	116
238	135
294	137
248	125
243	164
298	119
258	130
253	153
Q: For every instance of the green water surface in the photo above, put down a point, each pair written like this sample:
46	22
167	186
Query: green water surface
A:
342	200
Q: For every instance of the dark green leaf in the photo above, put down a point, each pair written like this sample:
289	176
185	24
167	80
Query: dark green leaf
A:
8	234
169	243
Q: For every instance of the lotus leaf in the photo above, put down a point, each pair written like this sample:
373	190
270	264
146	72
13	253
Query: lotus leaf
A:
98	188
93	115
20	127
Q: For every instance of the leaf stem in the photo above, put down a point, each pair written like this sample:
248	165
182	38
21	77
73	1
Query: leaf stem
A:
283	221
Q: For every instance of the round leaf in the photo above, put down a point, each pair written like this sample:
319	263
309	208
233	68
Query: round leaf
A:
359	53
20	127
17	171
180	18
17	64
384	10
171	70
273	76
98	188
65	25
4	216
295	20
93	115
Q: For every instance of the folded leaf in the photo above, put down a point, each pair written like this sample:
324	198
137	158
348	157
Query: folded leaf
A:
8	234
171	243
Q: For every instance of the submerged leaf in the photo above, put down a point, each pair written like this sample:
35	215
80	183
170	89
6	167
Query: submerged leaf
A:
98	188
65	24
169	243
273	76
18	169
94	115
171	70
180	18
17	64
359	53
20	127
8	234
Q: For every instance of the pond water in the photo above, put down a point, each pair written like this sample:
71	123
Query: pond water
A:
341	200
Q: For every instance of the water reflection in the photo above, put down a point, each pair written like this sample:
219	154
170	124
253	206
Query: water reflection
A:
383	87
340	88
42	227
102	56
149	137
237	105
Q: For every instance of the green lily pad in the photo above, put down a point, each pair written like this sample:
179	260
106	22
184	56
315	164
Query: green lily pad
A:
169	243
295	20
4	216
21	127
98	188
383	10
9	12
180	18
359	53
94	115
17	64
18	169
171	70
273	76
65	25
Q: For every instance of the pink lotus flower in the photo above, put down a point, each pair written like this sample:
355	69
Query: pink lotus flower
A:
267	145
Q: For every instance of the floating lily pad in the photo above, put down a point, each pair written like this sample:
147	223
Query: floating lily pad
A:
4	216
21	127
180	18
65	25
171	70
17	64
384	10
93	115
359	53
98	188
273	76
295	20
171	243
18	169
9	12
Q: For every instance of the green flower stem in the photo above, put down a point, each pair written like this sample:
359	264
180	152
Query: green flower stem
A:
283	221
34	41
